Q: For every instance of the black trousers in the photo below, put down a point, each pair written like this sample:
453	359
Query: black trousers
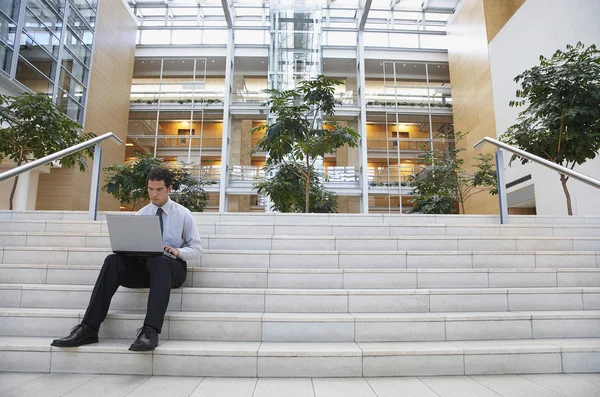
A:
159	273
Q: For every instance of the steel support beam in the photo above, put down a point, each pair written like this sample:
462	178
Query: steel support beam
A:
364	15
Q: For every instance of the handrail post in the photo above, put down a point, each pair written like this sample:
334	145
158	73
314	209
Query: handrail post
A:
93	207
502	197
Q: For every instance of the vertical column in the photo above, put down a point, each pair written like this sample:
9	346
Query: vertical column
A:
22	192
226	125
16	47
362	125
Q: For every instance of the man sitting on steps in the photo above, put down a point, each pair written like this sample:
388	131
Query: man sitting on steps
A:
159	273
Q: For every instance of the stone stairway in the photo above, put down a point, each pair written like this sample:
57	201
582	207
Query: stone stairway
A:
280	295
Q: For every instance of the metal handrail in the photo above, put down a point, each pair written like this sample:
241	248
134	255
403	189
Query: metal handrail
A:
559	168
93	209
500	171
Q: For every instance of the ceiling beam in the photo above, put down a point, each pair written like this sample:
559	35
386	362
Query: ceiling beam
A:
227	12
364	15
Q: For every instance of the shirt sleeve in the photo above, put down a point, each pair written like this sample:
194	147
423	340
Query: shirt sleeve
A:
192	248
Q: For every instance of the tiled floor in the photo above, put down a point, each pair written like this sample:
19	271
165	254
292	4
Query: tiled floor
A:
49	385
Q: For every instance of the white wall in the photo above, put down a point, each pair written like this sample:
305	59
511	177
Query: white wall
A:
540	27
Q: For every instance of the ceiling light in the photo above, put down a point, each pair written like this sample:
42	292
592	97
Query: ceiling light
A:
129	144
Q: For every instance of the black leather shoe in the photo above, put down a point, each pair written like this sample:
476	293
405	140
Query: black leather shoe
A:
147	340
80	335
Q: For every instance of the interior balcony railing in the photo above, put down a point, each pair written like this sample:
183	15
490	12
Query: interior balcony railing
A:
340	174
392	175
243	96
148	95
246	173
177	142
210	173
396	96
407	144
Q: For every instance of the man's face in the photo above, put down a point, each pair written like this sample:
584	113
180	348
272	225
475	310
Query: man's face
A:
158	192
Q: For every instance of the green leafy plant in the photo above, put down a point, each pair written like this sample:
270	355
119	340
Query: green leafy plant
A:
32	127
286	191
297	136
127	183
561	121
442	183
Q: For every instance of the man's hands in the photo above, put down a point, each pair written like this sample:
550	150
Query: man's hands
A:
171	250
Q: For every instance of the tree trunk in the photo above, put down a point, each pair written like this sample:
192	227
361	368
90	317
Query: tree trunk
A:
307	191
563	180
14	188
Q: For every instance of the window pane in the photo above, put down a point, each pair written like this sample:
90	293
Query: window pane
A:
77	48
80	28
215	37
71	86
43	13
39	58
11	8
32	79
86	11
404	40
58	5
69	107
434	41
340	38
75	67
251	37
155	37
41	35
5	58
7	31
187	36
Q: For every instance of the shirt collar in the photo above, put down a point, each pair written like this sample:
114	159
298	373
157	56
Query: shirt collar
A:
166	206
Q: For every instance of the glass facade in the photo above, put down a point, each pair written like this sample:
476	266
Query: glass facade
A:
199	110
52	57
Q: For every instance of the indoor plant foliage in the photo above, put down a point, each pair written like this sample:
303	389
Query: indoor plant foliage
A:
561	119
298	137
442	182
127	183
34	127
286	191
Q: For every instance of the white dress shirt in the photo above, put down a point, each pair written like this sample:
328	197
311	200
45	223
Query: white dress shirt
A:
179	229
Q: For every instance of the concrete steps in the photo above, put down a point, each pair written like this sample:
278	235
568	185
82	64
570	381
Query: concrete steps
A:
280	295
305	359
272	300
314	327
325	278
327	243
320	219
338	229
264	259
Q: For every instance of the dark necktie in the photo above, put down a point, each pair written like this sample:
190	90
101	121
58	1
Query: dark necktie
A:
159	213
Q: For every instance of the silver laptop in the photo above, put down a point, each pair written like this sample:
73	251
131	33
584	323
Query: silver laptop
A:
136	235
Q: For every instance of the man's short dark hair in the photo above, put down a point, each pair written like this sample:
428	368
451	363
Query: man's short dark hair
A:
160	174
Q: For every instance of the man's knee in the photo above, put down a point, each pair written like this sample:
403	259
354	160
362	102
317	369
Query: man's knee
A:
157	263
110	260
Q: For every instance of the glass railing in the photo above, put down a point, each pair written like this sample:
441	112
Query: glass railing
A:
261	97
178	93
414	144
250	97
246	173
177	141
340	174
208	172
392	175
410	96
